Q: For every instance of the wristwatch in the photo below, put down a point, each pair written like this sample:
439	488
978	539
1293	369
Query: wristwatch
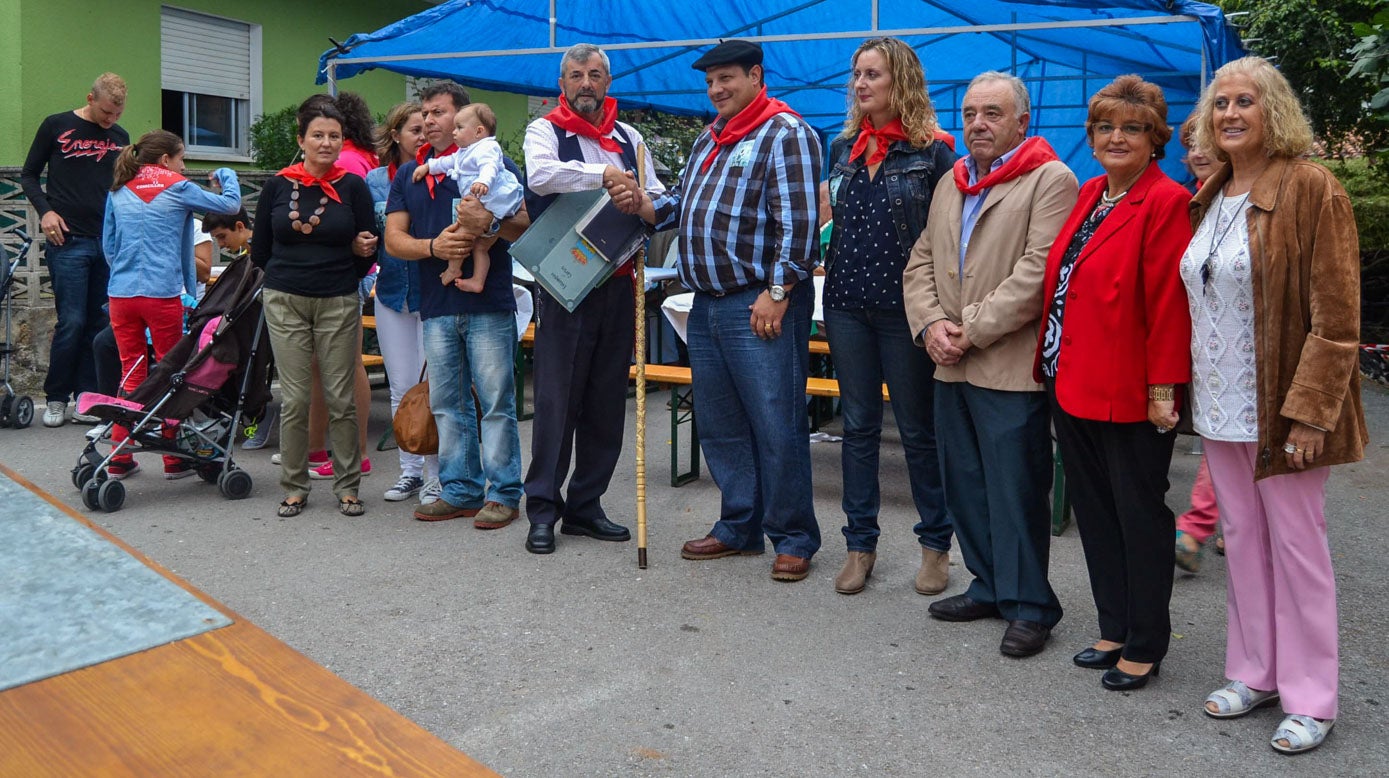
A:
494	229
777	292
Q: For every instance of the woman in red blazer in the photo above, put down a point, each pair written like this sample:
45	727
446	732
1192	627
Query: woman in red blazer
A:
1115	344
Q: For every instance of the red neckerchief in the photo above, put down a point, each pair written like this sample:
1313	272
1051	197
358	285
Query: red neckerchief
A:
749	119
888	135
390	171
422	155
946	138
1032	154
296	172
564	118
151	181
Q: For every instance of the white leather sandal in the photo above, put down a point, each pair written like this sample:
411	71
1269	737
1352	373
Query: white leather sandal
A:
1300	733
1236	700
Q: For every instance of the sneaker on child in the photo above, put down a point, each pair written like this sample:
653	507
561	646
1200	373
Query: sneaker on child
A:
408	486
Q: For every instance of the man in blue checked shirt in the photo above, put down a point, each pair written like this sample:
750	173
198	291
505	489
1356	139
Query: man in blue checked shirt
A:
747	248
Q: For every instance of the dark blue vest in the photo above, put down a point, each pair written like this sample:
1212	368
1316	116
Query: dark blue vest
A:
569	151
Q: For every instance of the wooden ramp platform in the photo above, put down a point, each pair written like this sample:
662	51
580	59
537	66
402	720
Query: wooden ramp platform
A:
232	701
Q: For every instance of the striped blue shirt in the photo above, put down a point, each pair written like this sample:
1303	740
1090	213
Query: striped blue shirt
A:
750	219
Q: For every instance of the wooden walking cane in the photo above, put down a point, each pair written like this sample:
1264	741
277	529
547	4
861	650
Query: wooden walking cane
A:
640	291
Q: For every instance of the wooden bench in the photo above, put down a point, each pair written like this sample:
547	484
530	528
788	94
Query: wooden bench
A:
682	411
371	360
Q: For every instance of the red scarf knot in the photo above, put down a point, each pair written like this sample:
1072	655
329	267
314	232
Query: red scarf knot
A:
565	118
1032	154
422	155
297	172
745	123
889	134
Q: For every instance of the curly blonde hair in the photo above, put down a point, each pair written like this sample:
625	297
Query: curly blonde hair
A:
910	100
1287	132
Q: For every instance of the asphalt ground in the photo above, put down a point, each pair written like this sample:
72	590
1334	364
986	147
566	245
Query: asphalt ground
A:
579	664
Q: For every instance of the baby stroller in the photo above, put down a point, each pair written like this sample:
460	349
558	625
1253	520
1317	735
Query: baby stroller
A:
193	402
17	412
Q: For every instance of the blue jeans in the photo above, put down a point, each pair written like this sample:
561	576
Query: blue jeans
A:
871	345
79	274
469	352
749	397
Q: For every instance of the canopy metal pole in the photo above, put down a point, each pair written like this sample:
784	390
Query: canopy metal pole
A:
553	23
333	77
875	15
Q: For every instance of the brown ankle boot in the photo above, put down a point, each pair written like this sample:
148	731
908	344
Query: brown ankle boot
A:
934	574
854	576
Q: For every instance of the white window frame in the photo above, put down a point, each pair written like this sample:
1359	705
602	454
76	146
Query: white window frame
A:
254	104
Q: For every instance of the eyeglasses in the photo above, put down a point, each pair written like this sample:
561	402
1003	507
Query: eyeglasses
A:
1131	130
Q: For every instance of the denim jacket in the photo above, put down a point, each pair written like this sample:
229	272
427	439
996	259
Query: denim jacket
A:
149	246
397	281
911	173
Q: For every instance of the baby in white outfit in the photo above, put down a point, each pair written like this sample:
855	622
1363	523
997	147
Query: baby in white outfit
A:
477	168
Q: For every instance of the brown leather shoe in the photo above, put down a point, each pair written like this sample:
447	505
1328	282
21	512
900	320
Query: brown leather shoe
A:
934	574
709	547
857	568
443	510
494	515
790	568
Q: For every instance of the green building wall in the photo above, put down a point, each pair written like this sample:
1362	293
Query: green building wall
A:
52	50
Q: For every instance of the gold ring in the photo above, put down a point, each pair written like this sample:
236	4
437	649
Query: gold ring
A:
1302	451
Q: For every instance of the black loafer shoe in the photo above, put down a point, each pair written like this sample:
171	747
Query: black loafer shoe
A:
1117	680
962	608
599	528
1024	638
1096	659
541	539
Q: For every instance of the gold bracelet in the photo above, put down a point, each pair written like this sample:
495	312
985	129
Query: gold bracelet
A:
1161	393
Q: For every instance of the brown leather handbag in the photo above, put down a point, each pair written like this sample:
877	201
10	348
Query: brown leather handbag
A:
413	424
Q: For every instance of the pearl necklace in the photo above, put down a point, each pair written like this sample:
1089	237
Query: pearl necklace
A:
1109	201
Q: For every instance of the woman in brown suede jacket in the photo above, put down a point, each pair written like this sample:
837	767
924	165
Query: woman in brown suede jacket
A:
1273	282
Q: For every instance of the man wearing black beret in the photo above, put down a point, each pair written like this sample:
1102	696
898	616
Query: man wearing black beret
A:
747	248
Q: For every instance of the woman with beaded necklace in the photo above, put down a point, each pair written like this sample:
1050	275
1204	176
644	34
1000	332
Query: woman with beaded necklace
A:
315	236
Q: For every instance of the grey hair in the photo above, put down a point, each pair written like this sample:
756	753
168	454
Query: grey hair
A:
1020	95
581	53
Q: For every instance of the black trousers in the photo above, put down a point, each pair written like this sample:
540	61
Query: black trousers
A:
1117	478
581	365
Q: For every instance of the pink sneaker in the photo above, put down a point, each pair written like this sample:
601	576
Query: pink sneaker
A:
325	470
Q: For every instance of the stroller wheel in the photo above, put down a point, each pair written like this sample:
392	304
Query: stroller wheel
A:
23	413
6	409
235	484
89	494
111	495
83	473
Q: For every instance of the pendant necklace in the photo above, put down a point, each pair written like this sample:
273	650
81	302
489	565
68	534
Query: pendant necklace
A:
1218	236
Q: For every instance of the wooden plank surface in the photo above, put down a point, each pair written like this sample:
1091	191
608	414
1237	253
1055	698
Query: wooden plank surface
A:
233	701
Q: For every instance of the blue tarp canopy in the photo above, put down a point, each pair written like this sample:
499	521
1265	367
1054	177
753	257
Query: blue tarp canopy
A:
1064	49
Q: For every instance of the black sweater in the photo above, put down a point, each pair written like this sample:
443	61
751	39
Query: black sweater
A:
320	264
81	161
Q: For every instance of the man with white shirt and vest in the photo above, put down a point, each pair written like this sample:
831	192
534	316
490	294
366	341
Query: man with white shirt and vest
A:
747	248
582	358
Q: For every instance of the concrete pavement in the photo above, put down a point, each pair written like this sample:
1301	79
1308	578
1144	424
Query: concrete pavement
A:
579	664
